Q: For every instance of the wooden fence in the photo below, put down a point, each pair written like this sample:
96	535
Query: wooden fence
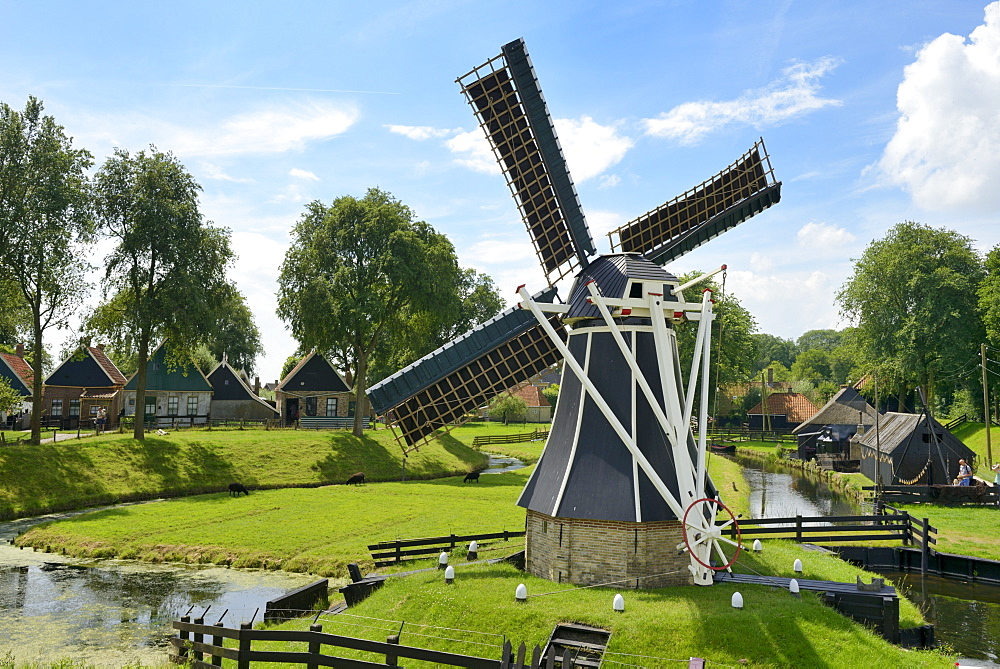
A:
746	434
948	495
897	525
485	440
197	642
393	552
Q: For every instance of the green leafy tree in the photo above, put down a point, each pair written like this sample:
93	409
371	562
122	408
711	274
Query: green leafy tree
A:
551	393
356	270
733	352
812	365
10	399
165	278
44	220
824	340
770	348
778	372
15	317
508	406
234	332
913	298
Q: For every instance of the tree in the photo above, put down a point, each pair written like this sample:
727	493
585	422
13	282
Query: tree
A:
733	352
356	270
507	406
824	340
812	365
913	298
15	317
44	219
10	399
771	348
166	275
551	393
415	333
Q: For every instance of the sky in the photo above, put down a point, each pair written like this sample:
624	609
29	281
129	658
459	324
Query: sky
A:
873	113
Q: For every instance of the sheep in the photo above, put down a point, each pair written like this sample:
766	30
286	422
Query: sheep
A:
358	478
236	488
471	476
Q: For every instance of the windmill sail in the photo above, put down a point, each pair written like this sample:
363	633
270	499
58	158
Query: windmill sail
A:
738	192
463	375
505	96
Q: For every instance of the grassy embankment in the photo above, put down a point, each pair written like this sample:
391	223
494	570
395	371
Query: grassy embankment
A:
319	530
114	468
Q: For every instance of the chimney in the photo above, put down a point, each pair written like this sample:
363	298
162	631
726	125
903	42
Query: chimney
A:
100	347
19	351
256	385
349	378
770	376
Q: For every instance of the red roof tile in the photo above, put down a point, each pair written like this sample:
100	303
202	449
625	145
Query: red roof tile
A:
532	395
796	406
20	367
109	367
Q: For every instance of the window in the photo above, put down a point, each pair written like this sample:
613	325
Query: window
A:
131	407
311	406
56	408
173	403
331	406
192	405
96	408
74	407
151	406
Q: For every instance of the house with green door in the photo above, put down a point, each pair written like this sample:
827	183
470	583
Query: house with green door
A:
175	395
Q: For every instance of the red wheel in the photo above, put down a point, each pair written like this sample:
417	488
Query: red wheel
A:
732	521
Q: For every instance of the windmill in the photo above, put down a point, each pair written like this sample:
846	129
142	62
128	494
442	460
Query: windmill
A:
621	493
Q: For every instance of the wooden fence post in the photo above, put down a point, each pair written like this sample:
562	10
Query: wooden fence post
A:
184	635
925	548
199	638
390	659
217	641
798	529
243	661
314	646
505	656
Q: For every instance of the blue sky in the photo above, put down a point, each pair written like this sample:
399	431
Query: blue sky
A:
874	113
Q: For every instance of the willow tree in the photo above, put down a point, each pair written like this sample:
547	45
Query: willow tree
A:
355	269
166	276
44	221
913	298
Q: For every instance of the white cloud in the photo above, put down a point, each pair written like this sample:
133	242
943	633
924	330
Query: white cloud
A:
603	222
610	181
419	132
946	149
215	173
302	174
492	250
822	236
268	130
473	151
589	147
795	94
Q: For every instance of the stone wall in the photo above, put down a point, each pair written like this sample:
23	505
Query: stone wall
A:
588	552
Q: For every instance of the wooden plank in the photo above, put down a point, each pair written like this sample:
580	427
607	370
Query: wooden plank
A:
206	629
385	545
207	648
289	657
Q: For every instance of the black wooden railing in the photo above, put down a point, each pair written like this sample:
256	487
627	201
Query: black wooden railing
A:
485	440
197	642
393	552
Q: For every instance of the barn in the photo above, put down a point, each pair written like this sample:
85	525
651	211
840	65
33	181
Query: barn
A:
830	429
911	449
234	399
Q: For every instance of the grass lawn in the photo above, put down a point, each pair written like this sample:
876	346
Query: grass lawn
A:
973	435
113	468
773	629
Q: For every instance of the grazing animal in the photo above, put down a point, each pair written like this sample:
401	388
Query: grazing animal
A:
236	488
471	476
358	478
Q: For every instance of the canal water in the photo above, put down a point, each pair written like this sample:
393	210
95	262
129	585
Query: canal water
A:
115	612
966	616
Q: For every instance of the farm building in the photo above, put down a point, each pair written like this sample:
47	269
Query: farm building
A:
314	390
785	410
84	384
234	399
911	449
174	395
830	429
16	372
539	409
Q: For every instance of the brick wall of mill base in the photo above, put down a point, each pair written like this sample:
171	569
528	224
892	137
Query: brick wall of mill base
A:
588	552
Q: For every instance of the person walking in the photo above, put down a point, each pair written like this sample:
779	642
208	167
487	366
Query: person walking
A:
964	473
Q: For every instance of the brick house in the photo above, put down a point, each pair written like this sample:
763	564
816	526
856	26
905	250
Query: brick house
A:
234	399
785	411
84	384
18	375
314	389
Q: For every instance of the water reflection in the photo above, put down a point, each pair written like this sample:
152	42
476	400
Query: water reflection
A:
116	612
777	493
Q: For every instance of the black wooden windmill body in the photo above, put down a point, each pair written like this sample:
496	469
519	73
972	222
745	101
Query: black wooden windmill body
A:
621	493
